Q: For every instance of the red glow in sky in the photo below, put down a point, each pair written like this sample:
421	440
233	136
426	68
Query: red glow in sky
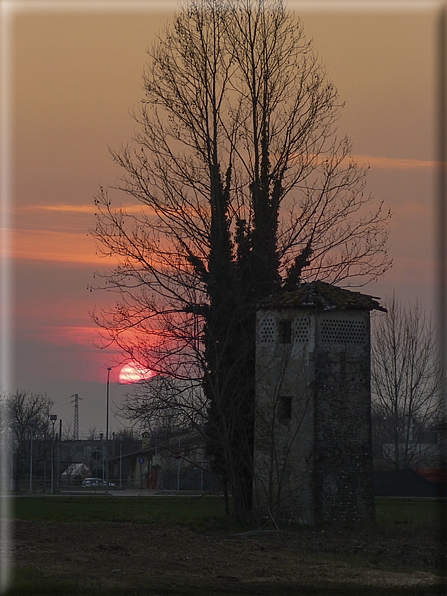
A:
132	372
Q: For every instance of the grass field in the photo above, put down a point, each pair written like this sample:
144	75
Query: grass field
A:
411	514
119	509
406	520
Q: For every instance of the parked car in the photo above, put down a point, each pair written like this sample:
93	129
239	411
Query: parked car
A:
98	482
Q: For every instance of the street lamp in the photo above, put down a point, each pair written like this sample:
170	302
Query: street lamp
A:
53	419
31	425
121	439
107	433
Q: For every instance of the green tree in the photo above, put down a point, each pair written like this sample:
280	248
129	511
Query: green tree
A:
244	188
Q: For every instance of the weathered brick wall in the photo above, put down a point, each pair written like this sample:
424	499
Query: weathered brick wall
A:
313	455
284	416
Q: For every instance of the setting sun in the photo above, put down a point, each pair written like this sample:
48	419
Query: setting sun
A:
132	372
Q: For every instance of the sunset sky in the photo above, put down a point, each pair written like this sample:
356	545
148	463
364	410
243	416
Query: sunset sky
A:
75	73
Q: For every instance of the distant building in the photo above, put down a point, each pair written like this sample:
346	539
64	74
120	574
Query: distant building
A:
92	453
312	451
75	472
169	461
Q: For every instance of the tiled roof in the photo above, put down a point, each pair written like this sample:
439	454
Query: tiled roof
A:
322	296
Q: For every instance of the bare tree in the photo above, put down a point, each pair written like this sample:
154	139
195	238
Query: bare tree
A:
244	187
67	432
165	403
22	407
405	379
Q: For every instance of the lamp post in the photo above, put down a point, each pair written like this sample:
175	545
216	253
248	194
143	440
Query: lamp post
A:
31	425
121	439
107	432
53	419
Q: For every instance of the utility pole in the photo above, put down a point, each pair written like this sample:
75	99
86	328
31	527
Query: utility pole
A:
76	416
59	438
53	419
107	431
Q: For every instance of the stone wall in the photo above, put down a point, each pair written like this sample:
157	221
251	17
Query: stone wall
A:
284	415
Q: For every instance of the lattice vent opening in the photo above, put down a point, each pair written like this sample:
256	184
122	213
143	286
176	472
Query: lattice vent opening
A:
301	330
342	331
267	330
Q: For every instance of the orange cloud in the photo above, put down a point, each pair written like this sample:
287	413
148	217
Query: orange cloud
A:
379	162
45	245
60	207
392	163
415	212
66	208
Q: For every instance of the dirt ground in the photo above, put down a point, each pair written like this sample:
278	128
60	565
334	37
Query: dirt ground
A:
117	556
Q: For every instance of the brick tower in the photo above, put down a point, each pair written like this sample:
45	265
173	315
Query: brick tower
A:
312	451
